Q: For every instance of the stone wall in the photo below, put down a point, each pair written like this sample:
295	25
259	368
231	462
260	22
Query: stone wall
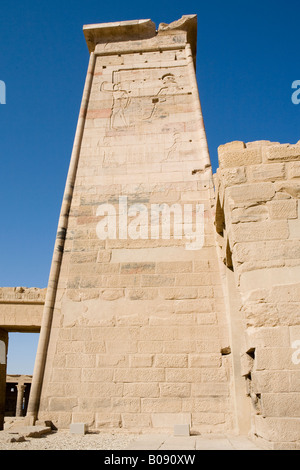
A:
135	332
258	222
21	308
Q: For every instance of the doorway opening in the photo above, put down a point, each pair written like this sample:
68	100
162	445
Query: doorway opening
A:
22	349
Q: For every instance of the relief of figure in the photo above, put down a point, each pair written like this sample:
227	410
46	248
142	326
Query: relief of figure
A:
121	101
170	87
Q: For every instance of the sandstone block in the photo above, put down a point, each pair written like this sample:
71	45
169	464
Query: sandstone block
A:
83	360
236	145
235	158
294	226
265	381
205	360
162	404
288	189
282	429
108	420
136	420
249	193
171	360
295	330
275	359
175	390
126	404
174	267
208	389
269	337
294	381
139	375
266	250
143	390
194	279
141	360
256	213
135	268
66	375
104	256
194	306
208	418
97	375
62	403
170	293
78	428
260	231
283	152
266	172
169	420
293	169
283	209
121	347
231	176
157	280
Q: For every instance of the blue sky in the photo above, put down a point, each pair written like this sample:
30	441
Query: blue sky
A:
247	59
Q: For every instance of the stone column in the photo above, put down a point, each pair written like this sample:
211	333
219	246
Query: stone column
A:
39	366
19	408
3	355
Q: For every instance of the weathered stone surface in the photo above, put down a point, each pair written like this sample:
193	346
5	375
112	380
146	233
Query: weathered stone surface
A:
259	223
272	172
234	158
251	193
21	308
143	326
283	152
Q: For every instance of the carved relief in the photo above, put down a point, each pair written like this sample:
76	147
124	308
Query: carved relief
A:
120	103
132	105
170	87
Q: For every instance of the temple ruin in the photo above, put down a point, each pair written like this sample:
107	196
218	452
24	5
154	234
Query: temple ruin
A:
174	293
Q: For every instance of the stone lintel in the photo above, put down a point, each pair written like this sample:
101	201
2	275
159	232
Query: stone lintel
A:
175	41
118	31
23	295
107	34
18	378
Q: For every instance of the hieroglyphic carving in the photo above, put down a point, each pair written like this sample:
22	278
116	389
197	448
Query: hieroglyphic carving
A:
22	294
120	103
129	106
170	87
136	103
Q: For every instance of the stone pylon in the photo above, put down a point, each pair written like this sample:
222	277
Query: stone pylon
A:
134	331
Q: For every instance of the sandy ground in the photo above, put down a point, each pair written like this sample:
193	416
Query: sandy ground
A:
114	441
65	441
